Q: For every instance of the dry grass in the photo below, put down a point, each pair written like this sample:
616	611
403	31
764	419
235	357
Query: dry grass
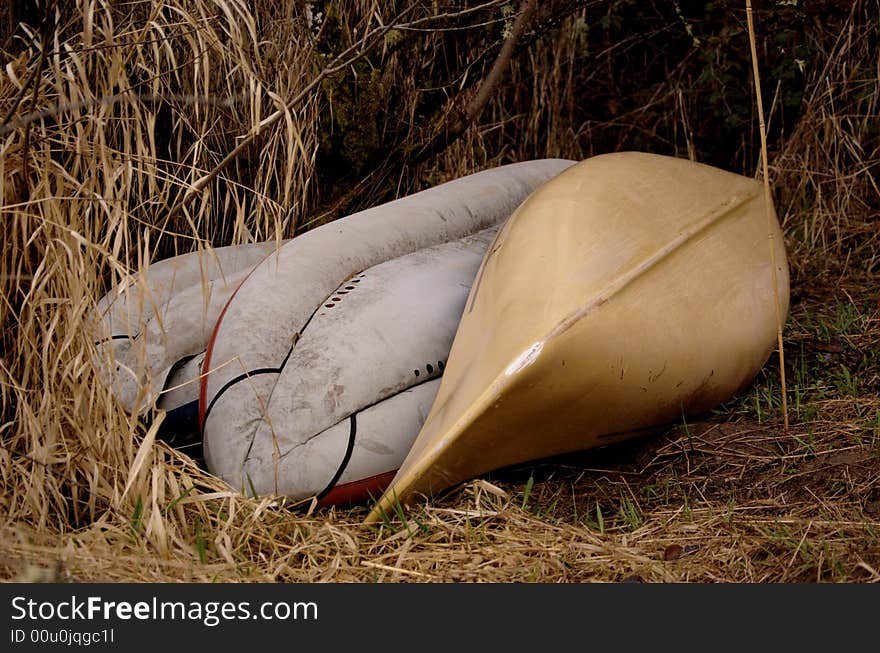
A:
128	108
828	170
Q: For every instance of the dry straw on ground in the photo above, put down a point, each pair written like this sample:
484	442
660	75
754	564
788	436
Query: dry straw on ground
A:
109	117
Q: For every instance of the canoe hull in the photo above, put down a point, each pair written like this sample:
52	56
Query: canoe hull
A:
628	292
152	320
350	398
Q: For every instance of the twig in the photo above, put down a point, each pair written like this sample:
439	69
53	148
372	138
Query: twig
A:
44	49
396	570
146	98
32	75
768	200
475	107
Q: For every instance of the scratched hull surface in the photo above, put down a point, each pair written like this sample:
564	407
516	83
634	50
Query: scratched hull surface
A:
624	293
353	392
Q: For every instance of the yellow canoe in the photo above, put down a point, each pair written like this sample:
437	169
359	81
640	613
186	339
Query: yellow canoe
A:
628	291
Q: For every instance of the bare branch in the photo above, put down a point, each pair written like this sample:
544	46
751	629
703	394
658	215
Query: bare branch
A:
125	96
475	107
351	55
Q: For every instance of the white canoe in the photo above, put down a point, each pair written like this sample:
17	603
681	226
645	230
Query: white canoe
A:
182	385
260	433
355	389
628	291
152	320
360	380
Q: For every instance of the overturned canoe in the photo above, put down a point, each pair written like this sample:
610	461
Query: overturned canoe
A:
628	291
274	385
152	321
361	378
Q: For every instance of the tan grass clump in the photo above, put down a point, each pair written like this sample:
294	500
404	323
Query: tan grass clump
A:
110	115
828	171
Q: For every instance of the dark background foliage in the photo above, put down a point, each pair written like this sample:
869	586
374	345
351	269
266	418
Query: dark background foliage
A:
667	77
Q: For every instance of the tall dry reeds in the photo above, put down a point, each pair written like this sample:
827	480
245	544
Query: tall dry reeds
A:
111	112
828	170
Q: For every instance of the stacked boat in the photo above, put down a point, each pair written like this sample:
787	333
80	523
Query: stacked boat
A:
520	312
